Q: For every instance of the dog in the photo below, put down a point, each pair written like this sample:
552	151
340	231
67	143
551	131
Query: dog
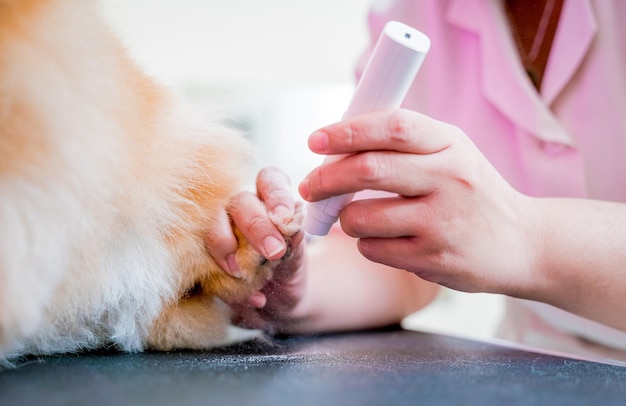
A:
108	188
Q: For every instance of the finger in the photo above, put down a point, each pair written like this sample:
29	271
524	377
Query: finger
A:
221	243
391	252
402	173
393	130
394	252
413	254
391	217
257	300
410	253
251	218
274	189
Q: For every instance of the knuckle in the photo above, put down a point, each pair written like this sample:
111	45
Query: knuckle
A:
351	133
400	127
237	201
256	223
371	167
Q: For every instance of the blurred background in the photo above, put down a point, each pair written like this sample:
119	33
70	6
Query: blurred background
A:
278	69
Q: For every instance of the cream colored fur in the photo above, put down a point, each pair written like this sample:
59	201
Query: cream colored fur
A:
106	191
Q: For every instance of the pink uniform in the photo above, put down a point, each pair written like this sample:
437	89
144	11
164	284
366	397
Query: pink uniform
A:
568	141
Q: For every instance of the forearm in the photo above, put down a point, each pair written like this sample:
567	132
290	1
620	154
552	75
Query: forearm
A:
345	291
581	261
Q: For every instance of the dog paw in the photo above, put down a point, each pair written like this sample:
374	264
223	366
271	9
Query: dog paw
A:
255	269
196	320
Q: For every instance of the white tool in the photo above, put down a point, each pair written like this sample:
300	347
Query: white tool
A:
386	80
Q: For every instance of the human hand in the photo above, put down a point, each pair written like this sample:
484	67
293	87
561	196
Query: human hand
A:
454	221
258	216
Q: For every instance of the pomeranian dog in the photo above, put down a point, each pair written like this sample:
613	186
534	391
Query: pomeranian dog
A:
107	192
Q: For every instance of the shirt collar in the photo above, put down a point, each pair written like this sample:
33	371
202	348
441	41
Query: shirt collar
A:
572	42
503	80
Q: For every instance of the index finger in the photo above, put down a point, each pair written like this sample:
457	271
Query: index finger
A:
387	130
274	190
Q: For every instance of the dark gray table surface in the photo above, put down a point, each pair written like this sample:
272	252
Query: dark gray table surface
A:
368	368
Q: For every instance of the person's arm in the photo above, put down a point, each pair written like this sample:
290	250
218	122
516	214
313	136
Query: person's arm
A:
581	257
326	285
456	222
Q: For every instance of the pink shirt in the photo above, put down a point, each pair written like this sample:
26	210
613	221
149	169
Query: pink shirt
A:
570	140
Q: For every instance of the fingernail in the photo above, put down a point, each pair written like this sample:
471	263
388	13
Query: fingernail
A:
318	141
272	246
233	268
257	300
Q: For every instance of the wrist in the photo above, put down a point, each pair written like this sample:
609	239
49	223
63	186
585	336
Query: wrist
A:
538	235
527	259
551	248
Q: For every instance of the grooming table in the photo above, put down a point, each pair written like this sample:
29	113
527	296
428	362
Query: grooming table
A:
383	367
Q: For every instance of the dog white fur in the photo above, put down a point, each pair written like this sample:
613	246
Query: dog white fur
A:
106	192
